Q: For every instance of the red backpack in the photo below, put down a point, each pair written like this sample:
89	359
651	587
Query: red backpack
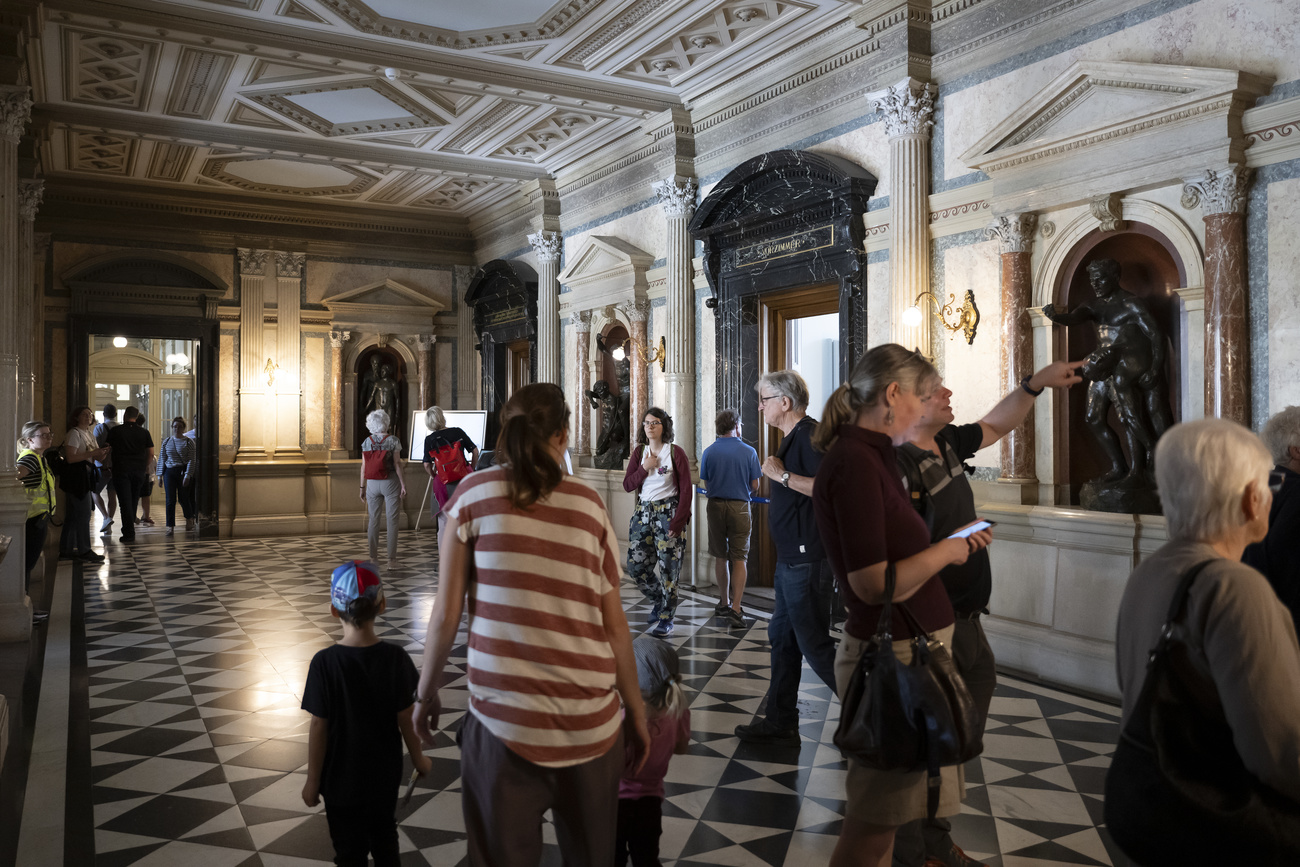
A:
449	462
375	461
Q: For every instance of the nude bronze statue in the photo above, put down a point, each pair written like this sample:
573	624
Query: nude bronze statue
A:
1126	371
612	447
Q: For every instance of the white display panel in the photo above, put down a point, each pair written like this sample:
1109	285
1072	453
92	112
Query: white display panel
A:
473	422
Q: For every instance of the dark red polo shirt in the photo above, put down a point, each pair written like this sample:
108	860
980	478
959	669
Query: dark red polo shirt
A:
864	517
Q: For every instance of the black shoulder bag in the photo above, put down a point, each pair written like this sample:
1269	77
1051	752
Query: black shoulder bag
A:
898	717
1177	791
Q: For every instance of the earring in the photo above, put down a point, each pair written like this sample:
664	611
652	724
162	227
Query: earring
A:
889	416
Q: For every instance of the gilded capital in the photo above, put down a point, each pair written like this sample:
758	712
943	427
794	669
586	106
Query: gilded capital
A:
290	264
677	197
547	245
1219	192
15	112
1015	231
252	263
908	108
30	195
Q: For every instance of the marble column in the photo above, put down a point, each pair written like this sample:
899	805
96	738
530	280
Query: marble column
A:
548	247
288	349
30	193
467	357
337	414
424	363
908	108
15	607
638	314
1222	196
581	322
677	195
1016	232
253	408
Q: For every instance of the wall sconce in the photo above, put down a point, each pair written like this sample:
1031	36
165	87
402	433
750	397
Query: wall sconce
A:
119	342
968	315
271	370
660	354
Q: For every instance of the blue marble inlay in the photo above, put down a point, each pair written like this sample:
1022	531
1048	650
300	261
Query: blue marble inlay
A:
877	203
1282	90
876	256
1257	281
611	217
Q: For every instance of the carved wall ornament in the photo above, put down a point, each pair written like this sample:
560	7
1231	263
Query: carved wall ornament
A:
1219	192
547	245
109	69
1047	229
15	112
1109	211
338	338
721	27
252	263
1015	231
290	264
749	14
30	194
908	109
382	340
425	342
678	198
581	321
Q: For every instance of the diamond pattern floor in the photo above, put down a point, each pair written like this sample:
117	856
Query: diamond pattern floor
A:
197	653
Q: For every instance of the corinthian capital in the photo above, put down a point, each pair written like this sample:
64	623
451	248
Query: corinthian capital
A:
252	263
908	108
547	245
1221	192
338	338
290	264
1015	231
15	111
636	310
677	197
424	342
581	321
30	195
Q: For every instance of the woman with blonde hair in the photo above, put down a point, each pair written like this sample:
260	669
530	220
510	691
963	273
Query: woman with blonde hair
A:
868	524
382	483
79	447
552	678
38	485
444	459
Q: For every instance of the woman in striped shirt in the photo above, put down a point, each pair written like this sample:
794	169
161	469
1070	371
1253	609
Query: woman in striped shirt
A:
550	654
176	470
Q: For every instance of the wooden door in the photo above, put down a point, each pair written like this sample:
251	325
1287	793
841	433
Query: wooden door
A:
517	366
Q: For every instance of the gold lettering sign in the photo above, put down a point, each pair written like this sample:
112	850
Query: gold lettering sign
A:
789	245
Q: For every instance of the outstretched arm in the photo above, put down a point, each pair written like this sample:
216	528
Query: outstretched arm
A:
1081	314
444	620
1014	408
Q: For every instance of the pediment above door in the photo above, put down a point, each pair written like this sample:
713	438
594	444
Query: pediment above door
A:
606	270
386	306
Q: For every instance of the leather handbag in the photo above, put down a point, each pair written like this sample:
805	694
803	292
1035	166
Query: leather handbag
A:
918	716
1177	791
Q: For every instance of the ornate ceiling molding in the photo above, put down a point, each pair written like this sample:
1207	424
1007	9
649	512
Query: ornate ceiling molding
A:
417	116
218	170
558	20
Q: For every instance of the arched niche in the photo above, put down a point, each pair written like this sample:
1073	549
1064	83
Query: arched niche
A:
783	220
503	296
145	284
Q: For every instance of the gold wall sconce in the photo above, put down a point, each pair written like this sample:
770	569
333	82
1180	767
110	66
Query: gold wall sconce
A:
968	315
271	370
660	354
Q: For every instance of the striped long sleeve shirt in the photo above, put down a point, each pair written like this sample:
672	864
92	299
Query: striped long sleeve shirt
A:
177	452
541	670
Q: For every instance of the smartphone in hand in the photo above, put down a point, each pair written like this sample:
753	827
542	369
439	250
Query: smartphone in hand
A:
973	528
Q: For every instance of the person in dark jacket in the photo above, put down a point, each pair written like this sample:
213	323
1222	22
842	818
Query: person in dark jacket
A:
1278	556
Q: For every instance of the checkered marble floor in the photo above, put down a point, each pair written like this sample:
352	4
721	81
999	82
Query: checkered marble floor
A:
196	656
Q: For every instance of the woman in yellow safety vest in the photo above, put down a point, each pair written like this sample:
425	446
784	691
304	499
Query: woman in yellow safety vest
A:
38	484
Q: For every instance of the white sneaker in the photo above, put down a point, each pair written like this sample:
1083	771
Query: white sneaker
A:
106	527
171	531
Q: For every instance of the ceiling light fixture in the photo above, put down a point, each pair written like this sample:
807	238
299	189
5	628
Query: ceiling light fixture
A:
119	342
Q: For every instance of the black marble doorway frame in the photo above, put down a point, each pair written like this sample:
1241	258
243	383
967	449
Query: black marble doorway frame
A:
503	296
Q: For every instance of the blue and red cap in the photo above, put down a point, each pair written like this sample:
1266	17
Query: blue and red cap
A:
352	580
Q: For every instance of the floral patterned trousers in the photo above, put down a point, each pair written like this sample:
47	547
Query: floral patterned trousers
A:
649	543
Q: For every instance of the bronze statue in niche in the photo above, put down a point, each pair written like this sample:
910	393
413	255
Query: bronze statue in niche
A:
383	392
613	445
1127	372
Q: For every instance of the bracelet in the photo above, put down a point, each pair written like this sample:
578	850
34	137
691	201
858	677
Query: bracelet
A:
1024	383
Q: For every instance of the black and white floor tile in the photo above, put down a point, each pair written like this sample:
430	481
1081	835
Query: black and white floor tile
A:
196	654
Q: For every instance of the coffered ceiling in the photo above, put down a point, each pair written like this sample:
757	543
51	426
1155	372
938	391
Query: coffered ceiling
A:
428	106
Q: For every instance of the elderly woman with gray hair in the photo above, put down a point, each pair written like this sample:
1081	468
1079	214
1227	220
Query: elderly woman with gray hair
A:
1234	656
1278	556
382	482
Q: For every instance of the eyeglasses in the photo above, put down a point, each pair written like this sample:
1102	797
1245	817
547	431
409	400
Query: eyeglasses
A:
1275	480
653	424
762	400
42	436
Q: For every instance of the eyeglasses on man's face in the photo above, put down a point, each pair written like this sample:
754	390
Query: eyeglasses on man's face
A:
1275	480
763	399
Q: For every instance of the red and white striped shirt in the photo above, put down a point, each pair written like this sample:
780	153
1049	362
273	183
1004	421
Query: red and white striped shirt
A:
541	669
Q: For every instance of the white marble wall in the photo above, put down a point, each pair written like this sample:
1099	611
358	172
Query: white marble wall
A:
1283	295
879	325
868	146
972	371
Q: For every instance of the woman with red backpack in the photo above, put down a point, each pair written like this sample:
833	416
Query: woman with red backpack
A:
444	459
382	482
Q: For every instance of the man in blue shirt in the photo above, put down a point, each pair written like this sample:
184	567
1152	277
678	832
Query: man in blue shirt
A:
729	470
801	618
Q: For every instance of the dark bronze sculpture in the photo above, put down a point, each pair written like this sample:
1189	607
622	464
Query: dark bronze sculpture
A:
612	447
1126	371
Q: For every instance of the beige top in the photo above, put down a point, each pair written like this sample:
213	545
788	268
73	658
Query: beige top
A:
1239	636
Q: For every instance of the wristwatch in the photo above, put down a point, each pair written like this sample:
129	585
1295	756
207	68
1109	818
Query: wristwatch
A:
785	479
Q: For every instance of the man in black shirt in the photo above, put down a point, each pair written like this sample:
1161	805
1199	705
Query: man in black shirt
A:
1278	556
132	457
801	619
932	465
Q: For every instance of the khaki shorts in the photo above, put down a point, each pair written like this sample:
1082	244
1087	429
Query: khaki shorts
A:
893	797
728	528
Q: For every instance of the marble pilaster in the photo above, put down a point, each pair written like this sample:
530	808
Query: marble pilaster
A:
1222	196
288	340
337	340
30	193
908	109
1016	234
677	195
253	407
638	315
467	357
424	364
582	406
548	246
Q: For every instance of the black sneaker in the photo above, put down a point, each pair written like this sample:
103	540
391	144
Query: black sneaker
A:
733	618
91	557
722	608
39	617
766	732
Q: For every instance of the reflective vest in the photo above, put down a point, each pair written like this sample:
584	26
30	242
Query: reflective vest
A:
40	498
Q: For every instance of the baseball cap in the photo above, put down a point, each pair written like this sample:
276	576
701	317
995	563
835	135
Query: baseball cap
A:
657	665
352	580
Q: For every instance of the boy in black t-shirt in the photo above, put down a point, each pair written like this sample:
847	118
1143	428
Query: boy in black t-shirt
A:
360	693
